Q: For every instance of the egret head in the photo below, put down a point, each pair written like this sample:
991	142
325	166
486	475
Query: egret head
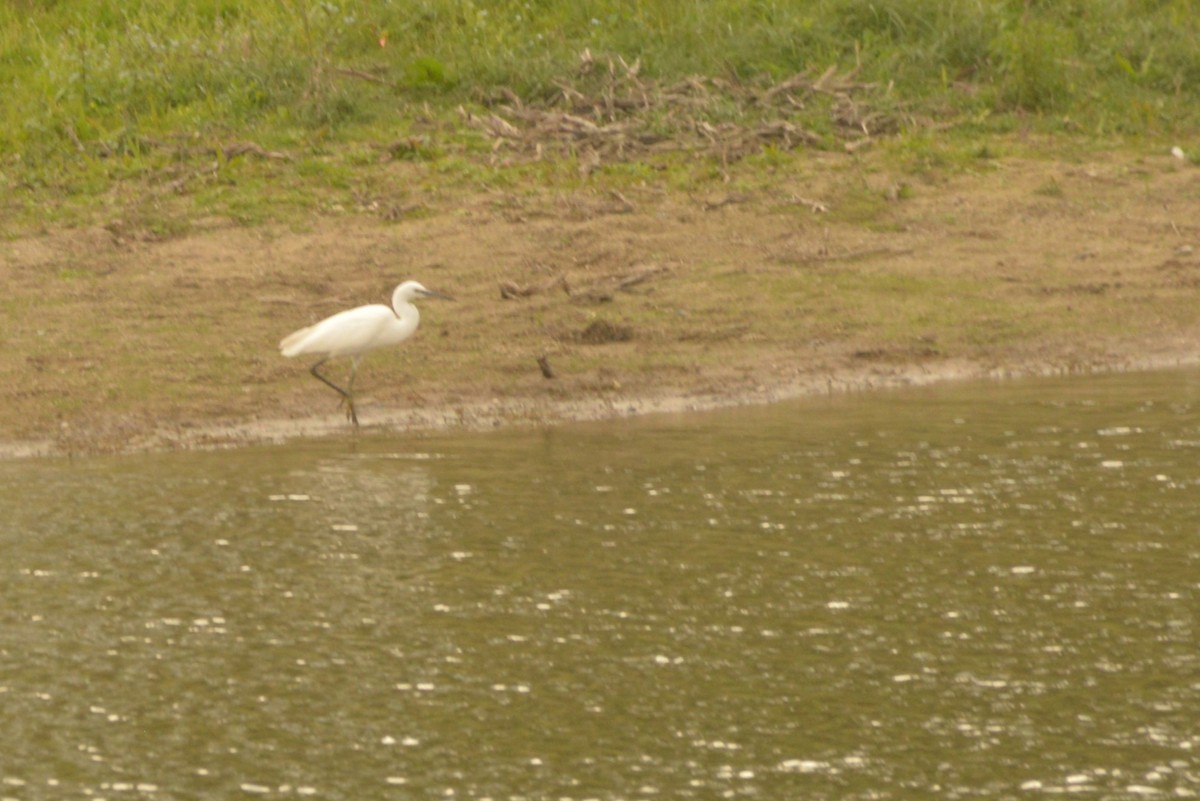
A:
413	290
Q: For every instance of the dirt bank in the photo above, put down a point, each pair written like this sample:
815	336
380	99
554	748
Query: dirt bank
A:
831	274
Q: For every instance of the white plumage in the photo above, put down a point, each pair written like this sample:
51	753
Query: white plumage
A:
355	332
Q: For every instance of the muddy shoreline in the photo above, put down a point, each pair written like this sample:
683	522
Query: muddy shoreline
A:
485	415
119	343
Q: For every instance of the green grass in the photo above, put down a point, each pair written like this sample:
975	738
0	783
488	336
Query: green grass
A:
100	93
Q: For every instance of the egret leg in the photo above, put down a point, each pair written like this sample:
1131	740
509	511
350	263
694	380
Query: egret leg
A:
347	396
350	413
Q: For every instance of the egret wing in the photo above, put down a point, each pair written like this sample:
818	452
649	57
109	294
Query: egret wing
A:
347	333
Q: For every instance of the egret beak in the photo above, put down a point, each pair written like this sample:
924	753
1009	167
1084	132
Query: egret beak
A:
429	293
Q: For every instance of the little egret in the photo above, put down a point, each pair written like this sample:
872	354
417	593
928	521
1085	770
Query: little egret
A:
354	332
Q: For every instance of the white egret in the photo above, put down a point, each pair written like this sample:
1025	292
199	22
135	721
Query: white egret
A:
354	332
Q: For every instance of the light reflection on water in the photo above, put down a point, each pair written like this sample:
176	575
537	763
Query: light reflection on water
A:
969	591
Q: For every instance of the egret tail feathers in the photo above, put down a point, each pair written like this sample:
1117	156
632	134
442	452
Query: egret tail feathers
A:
293	343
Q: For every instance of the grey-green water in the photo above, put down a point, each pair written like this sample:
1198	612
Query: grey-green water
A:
981	591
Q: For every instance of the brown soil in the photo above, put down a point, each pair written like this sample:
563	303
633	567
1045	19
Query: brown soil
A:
637	300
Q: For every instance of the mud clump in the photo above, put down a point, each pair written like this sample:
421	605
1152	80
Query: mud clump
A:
600	332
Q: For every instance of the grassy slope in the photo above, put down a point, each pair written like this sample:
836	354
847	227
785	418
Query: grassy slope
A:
128	109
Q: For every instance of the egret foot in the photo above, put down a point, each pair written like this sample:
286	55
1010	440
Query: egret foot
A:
351	413
347	394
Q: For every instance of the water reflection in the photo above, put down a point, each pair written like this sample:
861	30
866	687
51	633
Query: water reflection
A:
971	591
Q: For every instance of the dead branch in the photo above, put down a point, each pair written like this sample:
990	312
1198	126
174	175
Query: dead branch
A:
626	206
863	255
640	276
510	290
798	81
366	76
721	202
74	137
815	206
605	290
242	148
819	84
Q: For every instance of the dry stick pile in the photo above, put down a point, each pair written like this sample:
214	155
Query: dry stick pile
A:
628	116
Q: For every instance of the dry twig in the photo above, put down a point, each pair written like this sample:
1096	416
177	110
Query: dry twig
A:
510	290
366	76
